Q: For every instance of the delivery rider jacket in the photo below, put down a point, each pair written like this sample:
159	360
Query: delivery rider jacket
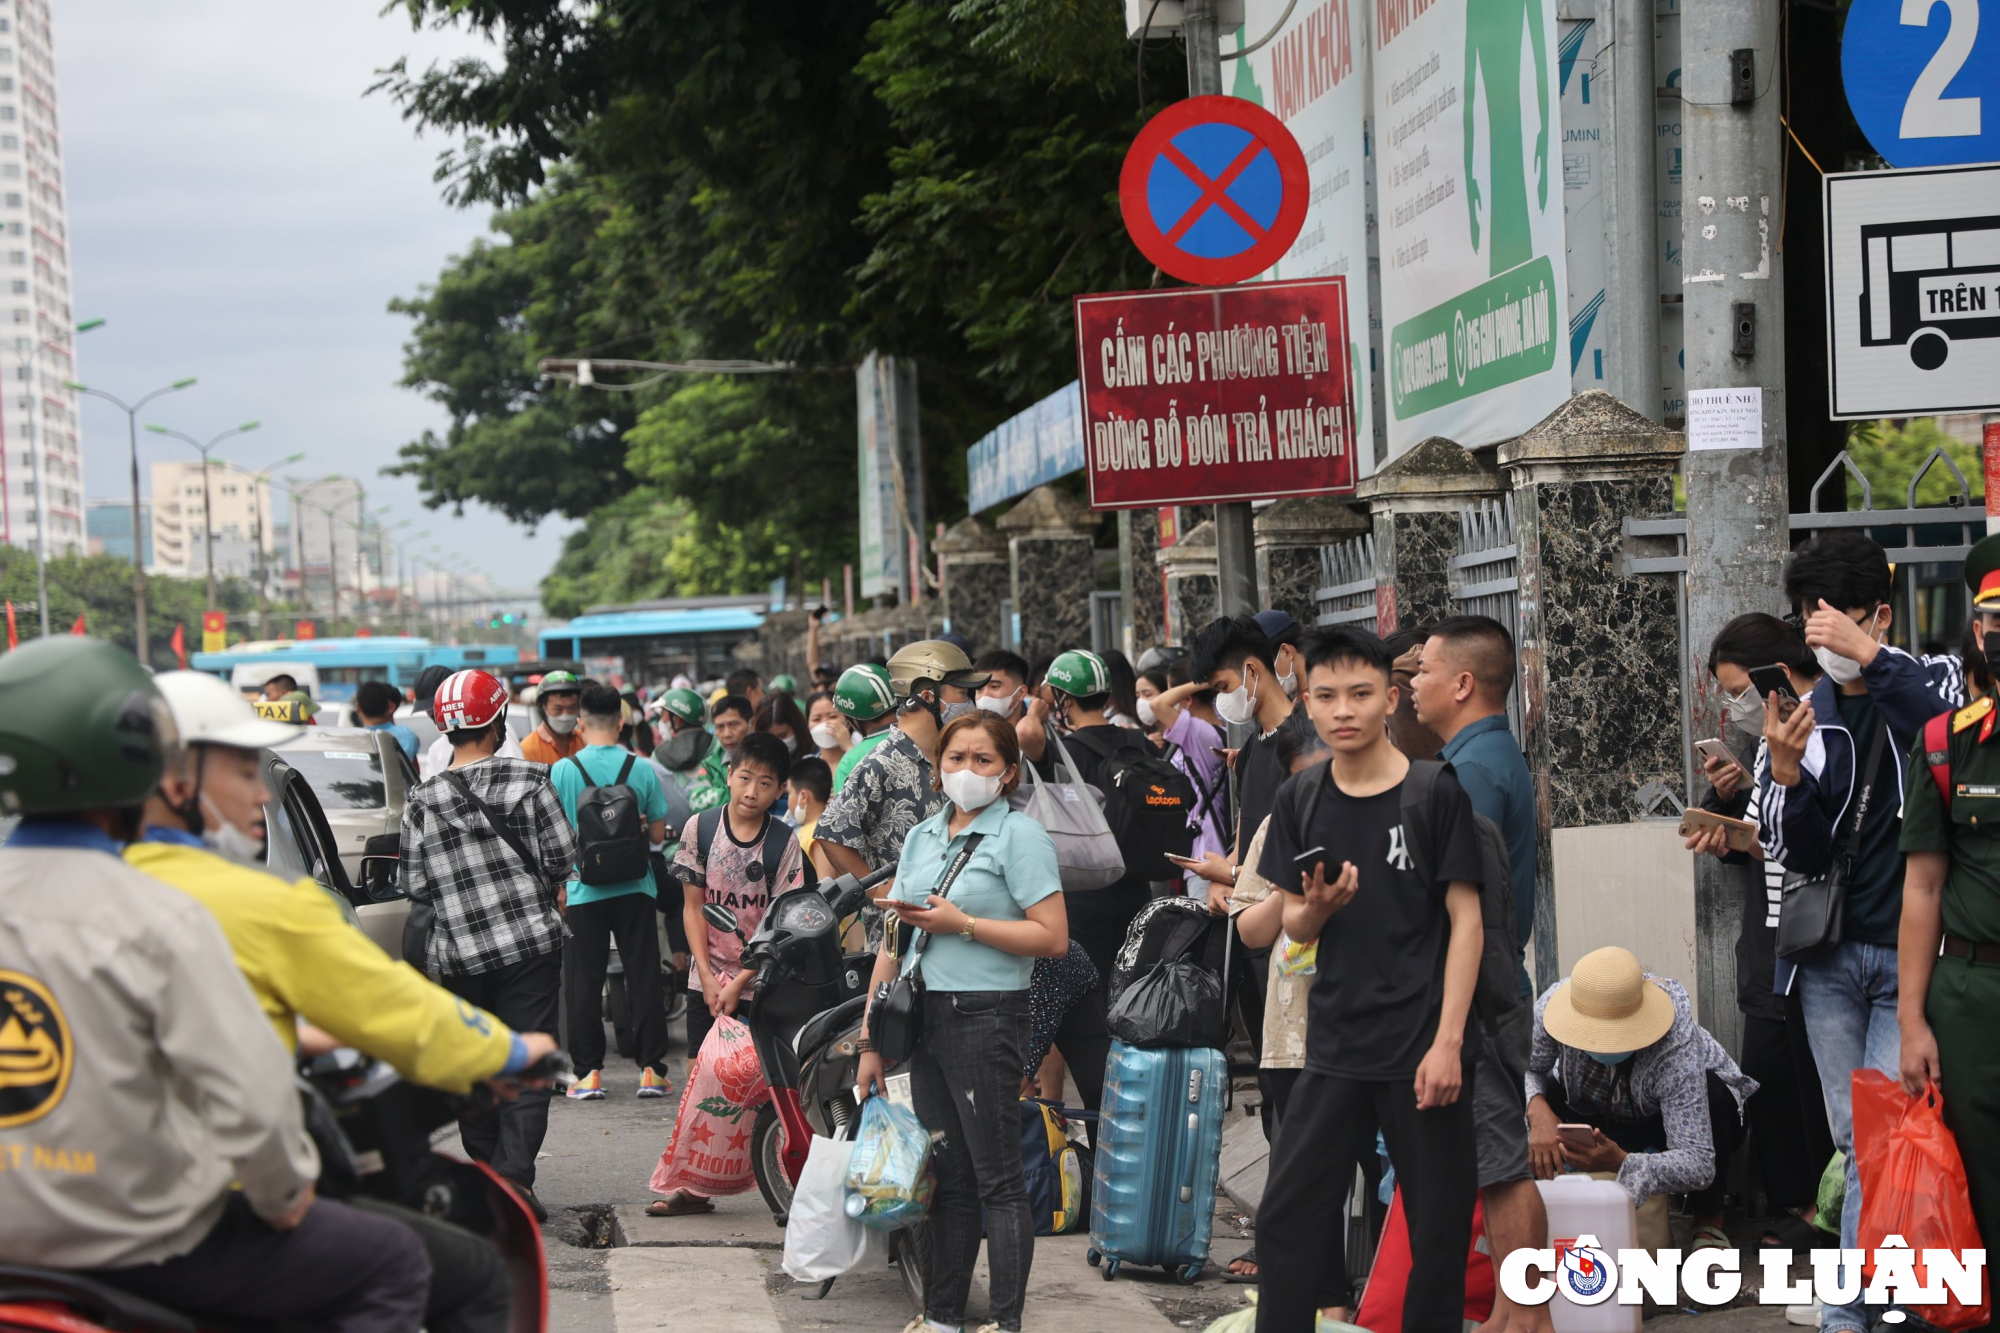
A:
302	959
137	1078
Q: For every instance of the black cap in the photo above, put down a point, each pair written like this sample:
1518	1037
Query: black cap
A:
1278	626
427	683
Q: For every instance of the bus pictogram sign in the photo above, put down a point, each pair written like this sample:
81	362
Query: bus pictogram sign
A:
1214	190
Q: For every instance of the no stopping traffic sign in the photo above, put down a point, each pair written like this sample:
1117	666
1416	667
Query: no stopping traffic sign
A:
1214	190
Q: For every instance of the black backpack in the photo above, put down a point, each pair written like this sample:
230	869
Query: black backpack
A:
1498	989
611	845
1148	803
1170	979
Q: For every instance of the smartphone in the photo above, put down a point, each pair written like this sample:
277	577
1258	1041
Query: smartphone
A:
1739	835
1771	680
1577	1136
1716	750
1306	860
1188	861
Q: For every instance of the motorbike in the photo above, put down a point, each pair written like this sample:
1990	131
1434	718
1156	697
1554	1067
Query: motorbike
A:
373	1131
804	1015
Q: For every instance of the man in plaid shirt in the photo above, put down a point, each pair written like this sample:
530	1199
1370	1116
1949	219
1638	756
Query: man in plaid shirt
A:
487	848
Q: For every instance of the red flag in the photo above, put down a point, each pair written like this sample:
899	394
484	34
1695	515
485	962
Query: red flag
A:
78	627
179	644
13	637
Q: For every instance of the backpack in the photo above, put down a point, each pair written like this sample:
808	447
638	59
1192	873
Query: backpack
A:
1497	992
611	843
709	822
1169	982
1148	803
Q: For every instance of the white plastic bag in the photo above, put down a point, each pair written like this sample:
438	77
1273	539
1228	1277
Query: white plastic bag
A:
821	1240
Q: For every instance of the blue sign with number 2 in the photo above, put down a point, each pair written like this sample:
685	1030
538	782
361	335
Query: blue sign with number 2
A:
1923	79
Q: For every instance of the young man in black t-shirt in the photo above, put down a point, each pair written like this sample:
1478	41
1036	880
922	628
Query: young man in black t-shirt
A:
1388	1039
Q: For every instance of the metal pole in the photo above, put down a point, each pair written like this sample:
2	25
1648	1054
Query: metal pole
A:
1737	501
208	529
257	550
140	638
41	496
360	531
1235	544
1631	270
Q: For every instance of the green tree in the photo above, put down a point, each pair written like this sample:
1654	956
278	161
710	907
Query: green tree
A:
1889	454
99	588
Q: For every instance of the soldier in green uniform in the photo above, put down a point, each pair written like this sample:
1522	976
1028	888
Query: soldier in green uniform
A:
1948	948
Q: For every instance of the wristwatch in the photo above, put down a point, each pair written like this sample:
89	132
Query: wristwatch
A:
970	921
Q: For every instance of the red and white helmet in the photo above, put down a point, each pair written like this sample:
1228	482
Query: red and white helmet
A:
468	699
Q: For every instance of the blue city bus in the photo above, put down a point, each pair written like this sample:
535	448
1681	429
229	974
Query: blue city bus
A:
331	668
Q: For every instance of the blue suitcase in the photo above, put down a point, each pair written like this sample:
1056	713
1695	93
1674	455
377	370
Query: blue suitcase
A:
1159	1148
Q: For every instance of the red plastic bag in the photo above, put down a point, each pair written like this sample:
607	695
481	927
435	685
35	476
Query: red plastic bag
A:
1389	1277
709	1153
1913	1184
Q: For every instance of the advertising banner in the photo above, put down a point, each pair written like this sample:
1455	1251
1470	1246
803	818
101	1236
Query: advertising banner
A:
891	504
1474	283
1026	450
1203	395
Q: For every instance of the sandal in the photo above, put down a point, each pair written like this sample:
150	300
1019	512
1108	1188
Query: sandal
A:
1711	1238
1249	1279
1791	1232
680	1204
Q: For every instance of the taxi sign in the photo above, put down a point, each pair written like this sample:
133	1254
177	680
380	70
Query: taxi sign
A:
283	710
1214	190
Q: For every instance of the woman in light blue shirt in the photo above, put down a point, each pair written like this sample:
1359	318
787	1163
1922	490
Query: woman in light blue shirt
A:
1003	910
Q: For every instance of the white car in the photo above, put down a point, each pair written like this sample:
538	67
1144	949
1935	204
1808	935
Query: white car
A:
336	817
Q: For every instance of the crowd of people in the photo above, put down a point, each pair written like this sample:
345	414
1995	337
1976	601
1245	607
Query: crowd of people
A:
1358	809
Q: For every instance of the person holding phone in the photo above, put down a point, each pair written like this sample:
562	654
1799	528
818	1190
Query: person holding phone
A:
980	881
1621	1078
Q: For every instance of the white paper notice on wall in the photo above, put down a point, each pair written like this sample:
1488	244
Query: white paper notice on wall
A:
1725	418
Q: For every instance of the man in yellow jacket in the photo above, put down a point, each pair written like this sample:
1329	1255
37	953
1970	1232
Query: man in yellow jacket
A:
304	961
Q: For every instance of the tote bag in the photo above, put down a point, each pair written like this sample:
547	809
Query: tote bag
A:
1087	856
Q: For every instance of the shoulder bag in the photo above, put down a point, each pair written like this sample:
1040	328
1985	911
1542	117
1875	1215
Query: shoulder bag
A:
1812	909
896	1017
1087	855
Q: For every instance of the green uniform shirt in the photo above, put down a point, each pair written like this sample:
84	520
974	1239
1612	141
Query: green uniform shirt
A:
1968	831
856	755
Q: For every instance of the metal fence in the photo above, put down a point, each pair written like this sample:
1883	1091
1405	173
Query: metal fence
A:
1485	579
1346	595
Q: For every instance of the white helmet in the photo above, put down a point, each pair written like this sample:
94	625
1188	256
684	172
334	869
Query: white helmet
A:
209	712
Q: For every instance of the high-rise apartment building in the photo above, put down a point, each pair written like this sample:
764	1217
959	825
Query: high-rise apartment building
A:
41	455
242	515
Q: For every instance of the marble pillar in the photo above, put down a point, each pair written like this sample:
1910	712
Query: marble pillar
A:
1139	580
1054	570
1414	504
976	578
1193	589
1289	535
1600	649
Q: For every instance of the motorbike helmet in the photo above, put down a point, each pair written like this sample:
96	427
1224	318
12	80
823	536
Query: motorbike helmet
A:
784	684
1079	673
864	693
82	727
468	700
684	704
932	662
208	712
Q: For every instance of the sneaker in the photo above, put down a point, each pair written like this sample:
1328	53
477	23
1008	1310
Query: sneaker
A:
651	1084
589	1088
1803	1316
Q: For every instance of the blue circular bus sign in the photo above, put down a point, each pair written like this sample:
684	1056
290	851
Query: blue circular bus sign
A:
1923	79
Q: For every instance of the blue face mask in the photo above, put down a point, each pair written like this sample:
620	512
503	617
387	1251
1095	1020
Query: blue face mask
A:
1618	1059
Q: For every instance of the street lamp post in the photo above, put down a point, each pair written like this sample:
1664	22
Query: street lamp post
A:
35	472
131	411
258	481
207	500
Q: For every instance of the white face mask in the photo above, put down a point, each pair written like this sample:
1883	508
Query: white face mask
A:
1843	670
229	842
971	791
1239	705
1289	683
1745	711
1002	704
825	737
563	726
1147	717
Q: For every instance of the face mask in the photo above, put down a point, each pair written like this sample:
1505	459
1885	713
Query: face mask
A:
1843	670
1147	717
1001	704
1616	1059
1238	706
1745	711
1289	683
229	842
563	726
969	790
952	712
824	737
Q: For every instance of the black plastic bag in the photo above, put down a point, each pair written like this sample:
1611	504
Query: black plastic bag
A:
1175	1004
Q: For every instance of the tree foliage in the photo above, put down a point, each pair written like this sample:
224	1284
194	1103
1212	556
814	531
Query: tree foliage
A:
1889	454
780	179
99	588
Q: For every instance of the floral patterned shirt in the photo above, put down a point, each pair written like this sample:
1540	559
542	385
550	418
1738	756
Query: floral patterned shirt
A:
889	793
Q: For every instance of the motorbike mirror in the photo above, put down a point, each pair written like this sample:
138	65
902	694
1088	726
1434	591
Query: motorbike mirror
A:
721	918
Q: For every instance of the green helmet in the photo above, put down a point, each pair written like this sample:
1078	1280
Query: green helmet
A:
1079	673
863	693
559	682
784	684
82	727
684	704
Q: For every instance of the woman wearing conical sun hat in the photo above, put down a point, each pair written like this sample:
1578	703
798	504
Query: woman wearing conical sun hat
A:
1617	1049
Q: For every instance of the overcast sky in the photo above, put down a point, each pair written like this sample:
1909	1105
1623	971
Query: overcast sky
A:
239	211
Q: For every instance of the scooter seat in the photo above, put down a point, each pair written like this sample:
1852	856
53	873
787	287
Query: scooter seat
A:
823	1026
101	1303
